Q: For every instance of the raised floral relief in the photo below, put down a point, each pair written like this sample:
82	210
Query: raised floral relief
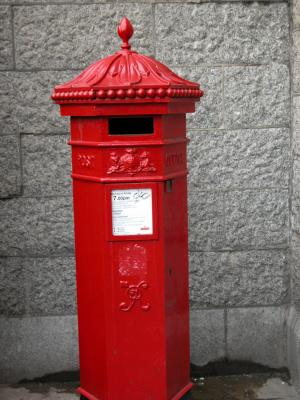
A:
131	162
86	161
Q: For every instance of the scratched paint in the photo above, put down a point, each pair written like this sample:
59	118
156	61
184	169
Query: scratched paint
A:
133	260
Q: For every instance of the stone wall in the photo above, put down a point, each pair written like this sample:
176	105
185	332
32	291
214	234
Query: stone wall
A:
239	160
293	322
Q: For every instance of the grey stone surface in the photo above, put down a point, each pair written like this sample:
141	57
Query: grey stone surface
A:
256	219
189	34
52	176
294	318
258	334
296	14
209	113
295	199
26	104
36	226
294	240
296	177
295	218
38	391
293	323
295	202
263	278
239	278
238	181
277	388
12	287
296	61
293	345
256	96
238	219
296	125
295	276
34	2
35	111
8	120
207	336
6	49
33	347
10	174
72	36
51	286
211	278
29	2
237	159
206	220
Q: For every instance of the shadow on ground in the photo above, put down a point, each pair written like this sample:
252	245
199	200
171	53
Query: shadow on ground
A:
215	381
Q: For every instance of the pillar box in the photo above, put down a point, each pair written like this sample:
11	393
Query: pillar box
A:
129	170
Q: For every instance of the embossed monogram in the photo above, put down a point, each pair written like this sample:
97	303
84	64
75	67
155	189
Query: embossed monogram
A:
130	162
134	293
86	161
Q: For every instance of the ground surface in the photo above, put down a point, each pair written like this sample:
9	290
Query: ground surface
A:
236	387
244	387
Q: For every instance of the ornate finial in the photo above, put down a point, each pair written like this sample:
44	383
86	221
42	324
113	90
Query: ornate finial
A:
125	31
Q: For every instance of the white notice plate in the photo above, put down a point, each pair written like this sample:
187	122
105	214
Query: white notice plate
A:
132	212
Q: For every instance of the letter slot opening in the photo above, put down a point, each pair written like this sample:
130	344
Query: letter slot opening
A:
130	126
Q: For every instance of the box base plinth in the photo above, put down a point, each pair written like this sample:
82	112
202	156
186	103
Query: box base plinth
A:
183	392
84	395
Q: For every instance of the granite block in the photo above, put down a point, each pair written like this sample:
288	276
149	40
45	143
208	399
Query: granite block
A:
233	32
246	278
52	176
257	219
207	336
239	159
36	226
12	287
258	335
73	36
51	286
10	168
256	96
33	347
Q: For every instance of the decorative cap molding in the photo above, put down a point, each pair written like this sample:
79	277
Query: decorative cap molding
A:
125	75
125	31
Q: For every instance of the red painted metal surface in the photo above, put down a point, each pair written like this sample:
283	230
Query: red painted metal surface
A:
132	290
125	75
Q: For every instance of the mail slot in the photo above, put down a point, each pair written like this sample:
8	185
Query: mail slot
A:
130	125
129	170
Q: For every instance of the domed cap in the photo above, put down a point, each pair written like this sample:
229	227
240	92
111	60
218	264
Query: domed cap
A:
125	75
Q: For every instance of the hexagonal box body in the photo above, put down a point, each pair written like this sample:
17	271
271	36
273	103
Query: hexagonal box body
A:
129	169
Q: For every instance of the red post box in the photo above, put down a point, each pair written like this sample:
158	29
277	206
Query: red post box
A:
128	138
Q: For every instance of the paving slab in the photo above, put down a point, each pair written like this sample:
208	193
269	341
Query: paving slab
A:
38	391
266	386
276	388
